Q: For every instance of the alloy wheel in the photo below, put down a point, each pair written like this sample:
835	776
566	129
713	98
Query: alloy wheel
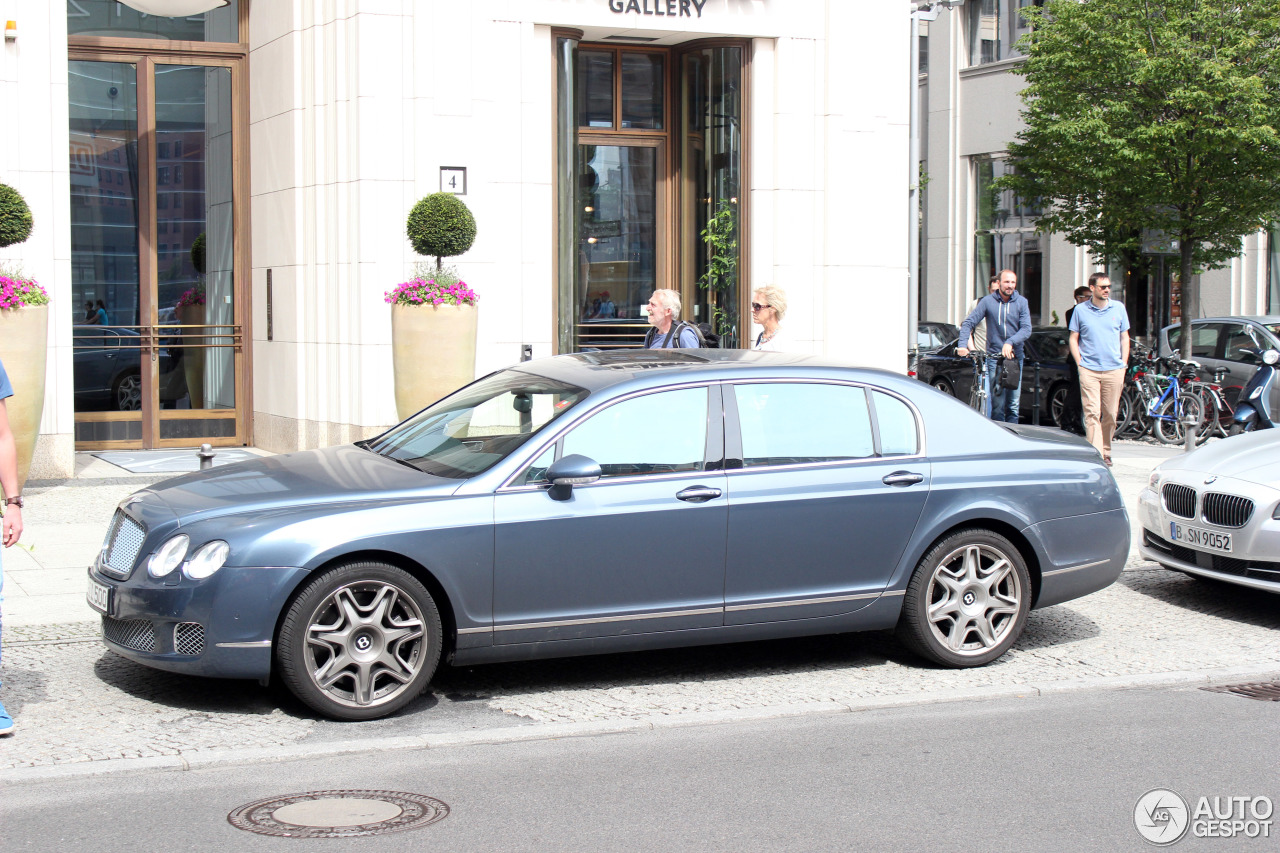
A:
974	599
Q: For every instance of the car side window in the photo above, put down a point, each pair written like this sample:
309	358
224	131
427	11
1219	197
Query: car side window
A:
1204	339
1238	339
795	424
897	426
660	433
537	472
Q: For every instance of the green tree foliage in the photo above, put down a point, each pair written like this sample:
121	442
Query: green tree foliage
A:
441	226
721	237
15	217
197	253
1155	114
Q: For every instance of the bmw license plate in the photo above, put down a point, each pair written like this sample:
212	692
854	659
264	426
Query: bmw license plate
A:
99	596
1209	540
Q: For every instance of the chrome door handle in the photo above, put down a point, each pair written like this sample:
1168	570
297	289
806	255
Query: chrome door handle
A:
698	494
902	478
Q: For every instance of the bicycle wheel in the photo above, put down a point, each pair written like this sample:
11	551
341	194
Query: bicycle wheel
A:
1167	424
1129	418
978	396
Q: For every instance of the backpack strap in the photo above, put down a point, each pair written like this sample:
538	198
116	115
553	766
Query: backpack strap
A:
648	336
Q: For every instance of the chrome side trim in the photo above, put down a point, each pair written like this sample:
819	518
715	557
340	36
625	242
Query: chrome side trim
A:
475	630
895	593
1074	568
524	626
255	644
831	599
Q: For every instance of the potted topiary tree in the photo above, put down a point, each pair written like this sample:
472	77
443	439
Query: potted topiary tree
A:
433	315
24	327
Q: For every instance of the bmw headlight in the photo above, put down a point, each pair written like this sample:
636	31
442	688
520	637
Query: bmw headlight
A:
1154	481
1275	513
169	556
207	559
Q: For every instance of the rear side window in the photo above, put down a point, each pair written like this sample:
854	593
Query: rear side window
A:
897	425
795	424
1204	339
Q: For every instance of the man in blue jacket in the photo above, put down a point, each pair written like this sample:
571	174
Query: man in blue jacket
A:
1008	326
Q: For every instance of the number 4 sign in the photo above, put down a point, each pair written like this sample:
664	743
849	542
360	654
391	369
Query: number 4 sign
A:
453	179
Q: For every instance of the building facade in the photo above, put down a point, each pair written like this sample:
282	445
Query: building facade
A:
233	187
969	112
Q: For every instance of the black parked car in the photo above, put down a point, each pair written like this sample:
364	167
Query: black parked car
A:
108	370
1047	347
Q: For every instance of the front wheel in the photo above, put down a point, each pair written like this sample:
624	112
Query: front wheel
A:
967	601
1238	428
1058	406
1168	423
943	385
360	641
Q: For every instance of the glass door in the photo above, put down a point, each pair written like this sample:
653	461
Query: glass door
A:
157	342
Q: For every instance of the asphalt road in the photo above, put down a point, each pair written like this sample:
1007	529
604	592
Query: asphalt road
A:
1041	773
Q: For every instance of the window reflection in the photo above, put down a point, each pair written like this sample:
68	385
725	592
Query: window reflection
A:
110	18
595	88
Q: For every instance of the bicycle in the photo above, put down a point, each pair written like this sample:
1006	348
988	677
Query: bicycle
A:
978	390
1171	411
1218	406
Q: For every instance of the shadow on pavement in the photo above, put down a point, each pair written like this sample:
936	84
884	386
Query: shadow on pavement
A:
188	692
1056	626
1210	597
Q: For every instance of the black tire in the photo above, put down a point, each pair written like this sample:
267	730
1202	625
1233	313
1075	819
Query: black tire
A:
971	580
126	392
1168	428
1238	428
943	385
342	630
1129	414
1058	405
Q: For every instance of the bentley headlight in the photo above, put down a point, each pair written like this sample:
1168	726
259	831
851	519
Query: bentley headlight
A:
169	556
207	560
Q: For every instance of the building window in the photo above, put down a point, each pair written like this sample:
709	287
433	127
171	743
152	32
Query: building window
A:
924	48
995	27
109	18
1005	235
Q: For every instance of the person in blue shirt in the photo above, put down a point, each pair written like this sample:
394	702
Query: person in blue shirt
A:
1100	346
1008	326
101	314
668	332
11	523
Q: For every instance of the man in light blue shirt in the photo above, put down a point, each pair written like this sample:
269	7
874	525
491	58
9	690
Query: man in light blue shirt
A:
1100	345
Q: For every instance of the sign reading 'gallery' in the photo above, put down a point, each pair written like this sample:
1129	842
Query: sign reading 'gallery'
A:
672	8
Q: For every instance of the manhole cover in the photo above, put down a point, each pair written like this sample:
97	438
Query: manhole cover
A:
338	814
1267	691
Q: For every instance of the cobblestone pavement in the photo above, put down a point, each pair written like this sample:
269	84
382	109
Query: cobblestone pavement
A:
74	702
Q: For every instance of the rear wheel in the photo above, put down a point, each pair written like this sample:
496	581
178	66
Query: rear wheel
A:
943	385
360	641
967	601
1237	428
127	393
1128	414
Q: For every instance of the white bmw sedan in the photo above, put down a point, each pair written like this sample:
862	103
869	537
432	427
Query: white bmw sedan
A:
1215	513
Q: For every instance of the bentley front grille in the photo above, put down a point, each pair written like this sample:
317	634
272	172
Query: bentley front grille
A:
138	635
188	638
124	541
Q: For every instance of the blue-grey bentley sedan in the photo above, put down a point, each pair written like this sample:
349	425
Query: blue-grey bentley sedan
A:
607	502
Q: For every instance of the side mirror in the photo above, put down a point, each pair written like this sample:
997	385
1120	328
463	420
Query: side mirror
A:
569	471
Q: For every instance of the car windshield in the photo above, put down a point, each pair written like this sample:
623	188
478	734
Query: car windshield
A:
471	431
1273	328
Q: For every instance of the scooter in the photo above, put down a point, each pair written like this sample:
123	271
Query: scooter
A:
1253	410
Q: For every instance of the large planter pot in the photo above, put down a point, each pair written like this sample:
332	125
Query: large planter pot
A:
433	350
193	355
24	336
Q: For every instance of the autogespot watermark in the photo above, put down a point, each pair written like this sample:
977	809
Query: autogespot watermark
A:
1163	817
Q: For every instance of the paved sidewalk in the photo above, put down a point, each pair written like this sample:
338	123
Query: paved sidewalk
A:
76	704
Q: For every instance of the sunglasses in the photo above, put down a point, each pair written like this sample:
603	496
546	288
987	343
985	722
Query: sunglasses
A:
756	306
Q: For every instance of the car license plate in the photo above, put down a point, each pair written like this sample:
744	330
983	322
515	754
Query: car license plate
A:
1197	537
99	596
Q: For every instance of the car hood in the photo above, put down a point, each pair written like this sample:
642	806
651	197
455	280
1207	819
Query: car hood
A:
343	474
1253	457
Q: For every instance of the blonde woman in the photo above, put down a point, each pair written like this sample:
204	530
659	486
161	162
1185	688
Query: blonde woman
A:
768	307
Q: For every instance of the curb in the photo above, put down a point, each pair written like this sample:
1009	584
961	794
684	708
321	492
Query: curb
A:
555	731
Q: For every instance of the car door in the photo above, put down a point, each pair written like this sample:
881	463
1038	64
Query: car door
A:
1237	341
640	550
831	484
